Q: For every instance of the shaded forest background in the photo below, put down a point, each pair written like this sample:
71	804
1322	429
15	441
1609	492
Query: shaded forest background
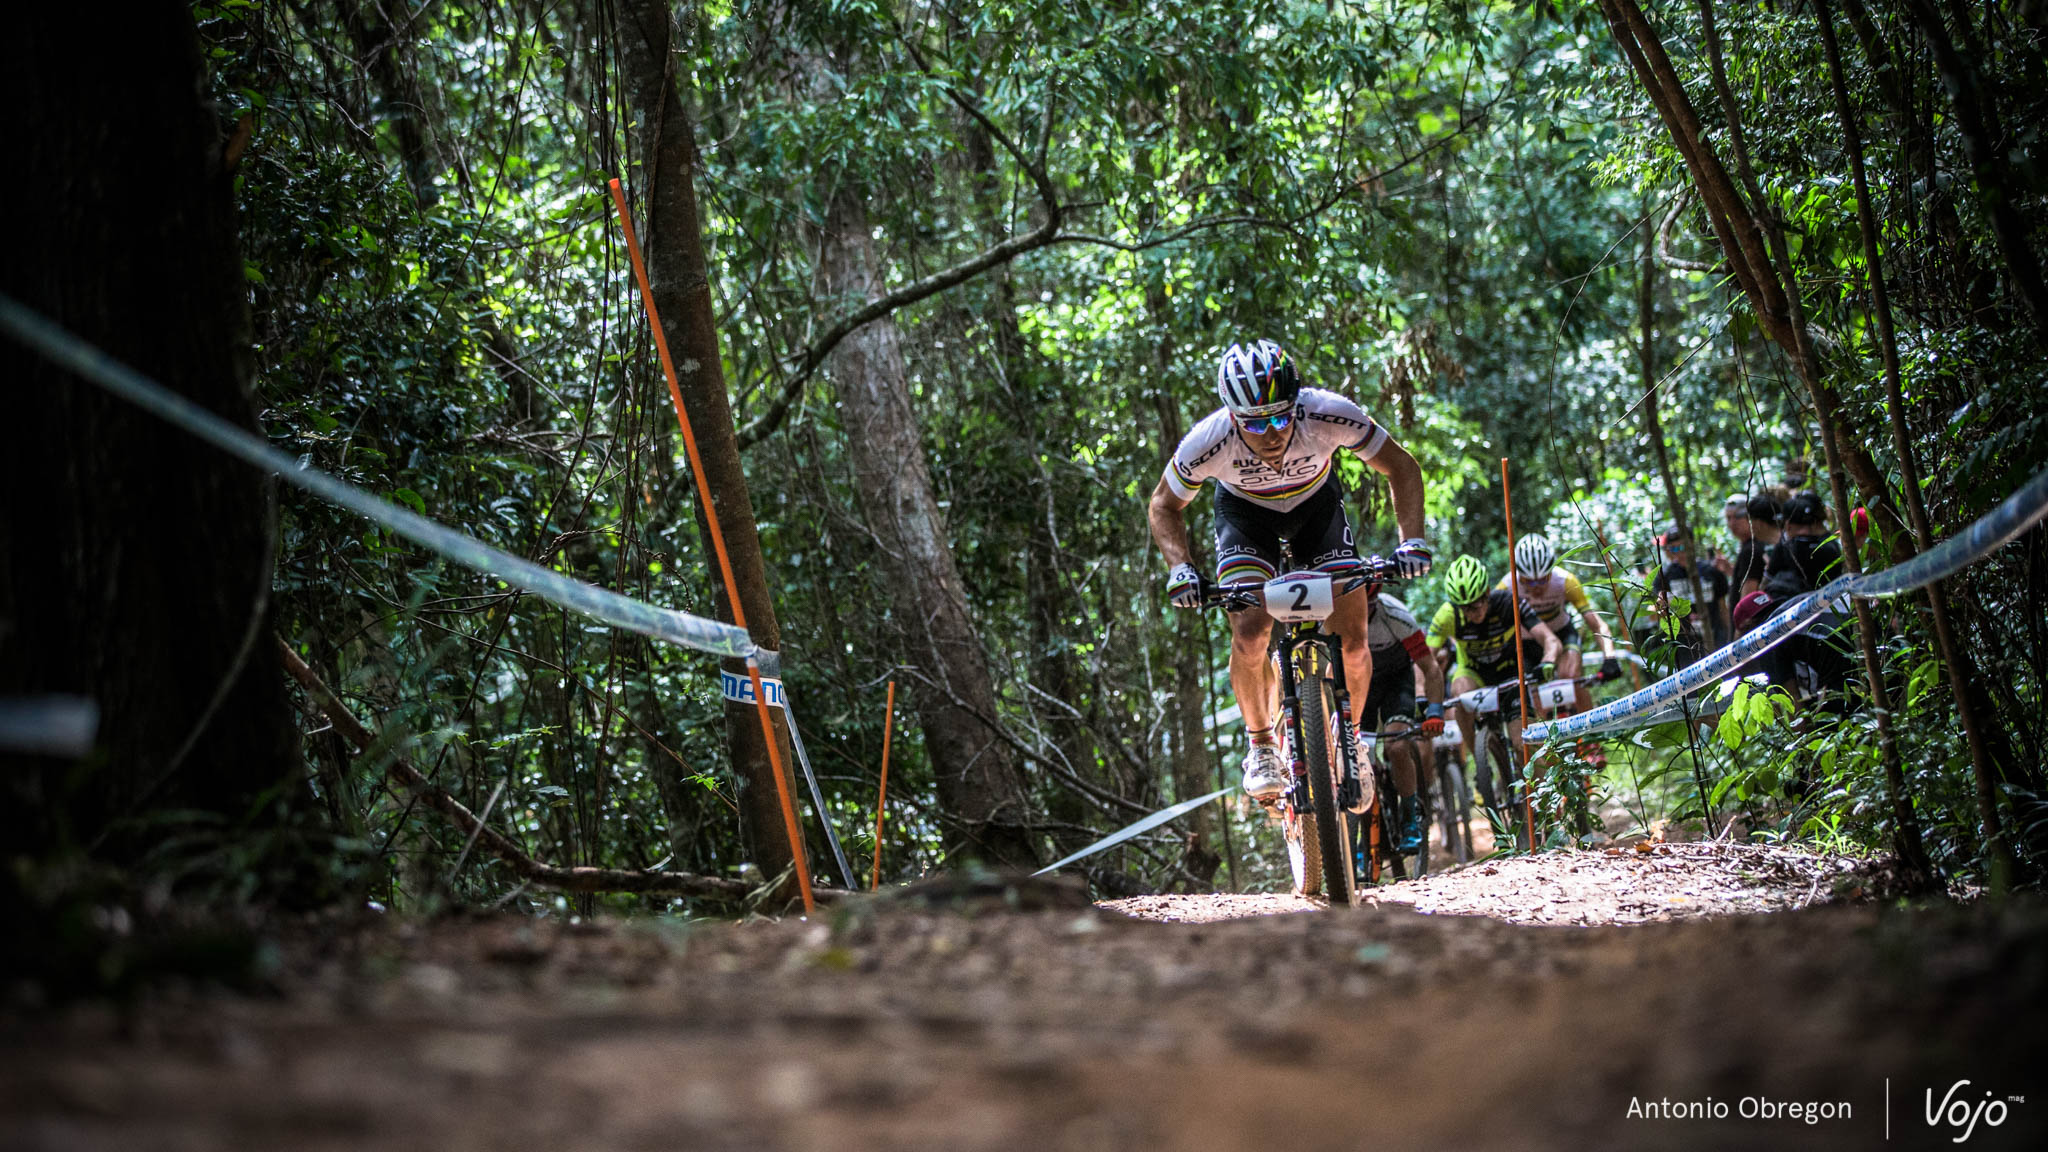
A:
1476	219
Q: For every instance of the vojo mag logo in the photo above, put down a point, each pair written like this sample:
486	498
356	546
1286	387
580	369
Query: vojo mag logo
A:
1961	1110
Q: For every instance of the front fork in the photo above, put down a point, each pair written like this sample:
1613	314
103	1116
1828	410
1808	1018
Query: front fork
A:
1290	715
1348	789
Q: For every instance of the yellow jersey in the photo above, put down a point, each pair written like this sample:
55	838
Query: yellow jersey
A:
1550	595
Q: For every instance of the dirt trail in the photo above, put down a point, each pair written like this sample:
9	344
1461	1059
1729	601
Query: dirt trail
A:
1156	1022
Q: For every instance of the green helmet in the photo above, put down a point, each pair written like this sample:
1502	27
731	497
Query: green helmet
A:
1466	580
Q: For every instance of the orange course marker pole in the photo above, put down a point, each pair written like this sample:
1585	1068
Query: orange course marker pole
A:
882	797
1521	752
732	588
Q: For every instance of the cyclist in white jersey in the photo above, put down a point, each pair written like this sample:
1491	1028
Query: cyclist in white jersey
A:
1271	450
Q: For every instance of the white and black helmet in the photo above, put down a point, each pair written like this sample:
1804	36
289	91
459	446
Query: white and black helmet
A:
1534	556
1257	379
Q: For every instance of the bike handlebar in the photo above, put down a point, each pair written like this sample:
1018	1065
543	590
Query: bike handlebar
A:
1251	593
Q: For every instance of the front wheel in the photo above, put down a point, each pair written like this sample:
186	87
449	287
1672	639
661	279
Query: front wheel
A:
1500	766
1326	824
1454	810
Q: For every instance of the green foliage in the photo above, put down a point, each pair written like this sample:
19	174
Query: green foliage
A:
1440	208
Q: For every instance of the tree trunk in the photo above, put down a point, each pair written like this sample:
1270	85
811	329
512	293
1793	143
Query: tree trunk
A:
1755	247
679	280
135	562
1962	671
1982	144
1653	423
981	791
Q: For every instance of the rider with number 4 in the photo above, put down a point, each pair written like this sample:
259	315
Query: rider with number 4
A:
1555	594
1271	450
1480	621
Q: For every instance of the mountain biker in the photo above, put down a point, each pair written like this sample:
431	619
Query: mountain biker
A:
1271	450
1554	594
1398	649
1479	620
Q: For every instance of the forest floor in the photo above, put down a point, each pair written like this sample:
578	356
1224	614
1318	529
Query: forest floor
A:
1531	1002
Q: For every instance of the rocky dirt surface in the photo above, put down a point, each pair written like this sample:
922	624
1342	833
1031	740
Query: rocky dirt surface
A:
953	1019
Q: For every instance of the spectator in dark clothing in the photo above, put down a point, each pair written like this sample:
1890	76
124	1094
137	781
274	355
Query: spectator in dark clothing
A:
1761	522
1812	661
1806	556
1709	612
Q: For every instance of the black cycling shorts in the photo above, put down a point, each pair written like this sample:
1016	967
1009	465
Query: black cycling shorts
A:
1504	671
1316	534
1567	635
1390	696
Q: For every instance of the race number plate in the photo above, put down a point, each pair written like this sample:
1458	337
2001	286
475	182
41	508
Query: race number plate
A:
1483	700
1300	596
1557	694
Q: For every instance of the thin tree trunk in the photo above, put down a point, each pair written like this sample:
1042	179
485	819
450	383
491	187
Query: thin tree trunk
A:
981	791
1027	378
1906	840
1756	251
1653	424
1995	188
135	561
679	279
1961	670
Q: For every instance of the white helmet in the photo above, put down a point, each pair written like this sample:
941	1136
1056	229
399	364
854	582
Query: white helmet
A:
1534	556
1257	379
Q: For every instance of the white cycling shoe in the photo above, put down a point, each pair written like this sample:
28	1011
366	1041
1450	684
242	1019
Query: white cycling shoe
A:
1265	778
1368	787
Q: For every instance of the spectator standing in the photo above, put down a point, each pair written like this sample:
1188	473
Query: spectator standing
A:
1806	556
1735	514
1761	528
1709	595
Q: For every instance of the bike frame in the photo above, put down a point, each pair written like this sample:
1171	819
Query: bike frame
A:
1309	635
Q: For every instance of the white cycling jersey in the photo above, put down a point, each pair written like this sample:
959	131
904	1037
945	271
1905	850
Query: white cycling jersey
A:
1324	423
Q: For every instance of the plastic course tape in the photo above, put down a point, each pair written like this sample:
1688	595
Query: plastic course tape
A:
696	632
2020	511
1123	834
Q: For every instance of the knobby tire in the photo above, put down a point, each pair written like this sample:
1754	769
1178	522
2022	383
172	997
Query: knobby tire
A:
1501	767
1332	832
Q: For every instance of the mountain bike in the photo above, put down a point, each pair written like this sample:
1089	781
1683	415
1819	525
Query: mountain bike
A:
1452	794
1328	795
1495	767
1377	851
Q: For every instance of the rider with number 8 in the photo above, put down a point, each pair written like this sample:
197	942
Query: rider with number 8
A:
1479	620
1555	594
1271	451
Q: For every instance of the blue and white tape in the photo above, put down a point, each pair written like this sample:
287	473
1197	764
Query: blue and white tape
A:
67	350
740	689
1125	833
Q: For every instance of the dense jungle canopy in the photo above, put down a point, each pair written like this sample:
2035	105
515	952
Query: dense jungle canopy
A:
944	284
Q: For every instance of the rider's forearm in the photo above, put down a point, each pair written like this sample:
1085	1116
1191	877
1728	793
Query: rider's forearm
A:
1404	477
1168	517
1598	627
1433	680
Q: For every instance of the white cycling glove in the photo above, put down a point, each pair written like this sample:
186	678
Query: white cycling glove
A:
1184	586
1411	559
